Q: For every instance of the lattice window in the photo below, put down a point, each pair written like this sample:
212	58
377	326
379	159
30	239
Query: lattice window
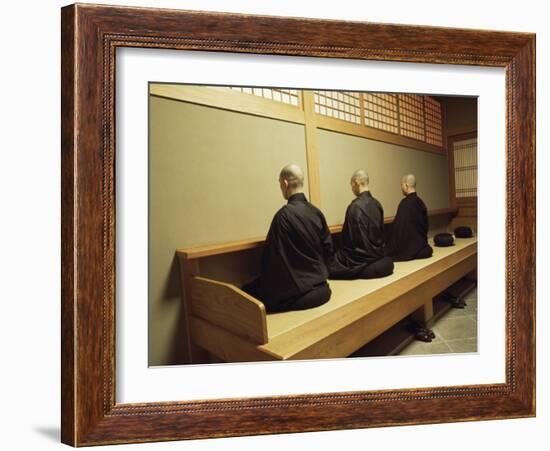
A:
465	160
288	96
339	105
381	111
411	116
434	120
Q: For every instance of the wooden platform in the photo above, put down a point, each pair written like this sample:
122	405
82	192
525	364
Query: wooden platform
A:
234	326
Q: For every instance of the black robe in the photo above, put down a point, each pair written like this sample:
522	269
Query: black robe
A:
296	252
362	238
409	238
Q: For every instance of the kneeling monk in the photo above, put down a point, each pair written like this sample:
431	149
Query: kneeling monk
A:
410	228
297	249
363	254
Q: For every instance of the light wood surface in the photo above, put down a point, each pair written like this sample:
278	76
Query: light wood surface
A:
357	312
347	329
223	248
225	305
425	313
344	291
308	103
223	344
189	269
229	100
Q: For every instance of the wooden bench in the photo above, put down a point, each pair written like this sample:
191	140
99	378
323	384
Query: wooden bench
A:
234	327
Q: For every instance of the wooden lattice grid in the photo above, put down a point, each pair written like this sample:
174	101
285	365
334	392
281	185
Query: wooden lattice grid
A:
381	111
411	116
287	96
465	163
342	105
414	116
434	121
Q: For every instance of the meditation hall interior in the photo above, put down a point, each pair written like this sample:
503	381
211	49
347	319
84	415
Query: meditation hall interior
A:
289	224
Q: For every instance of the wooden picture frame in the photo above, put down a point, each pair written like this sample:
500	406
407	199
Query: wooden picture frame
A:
90	36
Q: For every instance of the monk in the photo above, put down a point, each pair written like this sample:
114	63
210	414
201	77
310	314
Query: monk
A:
409	238
363	252
297	250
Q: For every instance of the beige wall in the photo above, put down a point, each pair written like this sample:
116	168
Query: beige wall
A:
340	155
212	178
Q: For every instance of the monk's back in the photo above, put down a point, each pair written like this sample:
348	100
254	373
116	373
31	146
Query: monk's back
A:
296	252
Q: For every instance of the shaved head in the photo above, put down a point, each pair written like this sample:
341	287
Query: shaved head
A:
409	180
293	174
361	177
408	184
359	182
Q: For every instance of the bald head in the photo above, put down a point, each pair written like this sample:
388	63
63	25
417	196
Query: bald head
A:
293	174
361	177
408	184
359	181
291	180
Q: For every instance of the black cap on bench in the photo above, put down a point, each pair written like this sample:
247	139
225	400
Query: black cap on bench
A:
463	232
443	240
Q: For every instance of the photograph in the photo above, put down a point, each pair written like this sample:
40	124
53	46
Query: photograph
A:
296	224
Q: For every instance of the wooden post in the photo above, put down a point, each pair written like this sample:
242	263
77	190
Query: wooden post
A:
451	166
308	102
189	268
424	314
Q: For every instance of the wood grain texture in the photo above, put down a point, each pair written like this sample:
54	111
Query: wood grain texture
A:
91	34
68	232
353	299
235	330
310	122
227	346
228	307
189	269
344	330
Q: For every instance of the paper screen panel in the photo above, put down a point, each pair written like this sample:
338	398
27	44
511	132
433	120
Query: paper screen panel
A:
339	105
411	116
282	95
288	96
434	126
381	111
465	161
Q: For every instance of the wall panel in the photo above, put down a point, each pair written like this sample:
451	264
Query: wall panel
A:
340	155
213	177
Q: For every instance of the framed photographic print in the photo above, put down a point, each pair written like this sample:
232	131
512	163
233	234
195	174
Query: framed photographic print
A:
278	225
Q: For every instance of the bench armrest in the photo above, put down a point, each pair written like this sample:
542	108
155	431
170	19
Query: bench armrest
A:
226	306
